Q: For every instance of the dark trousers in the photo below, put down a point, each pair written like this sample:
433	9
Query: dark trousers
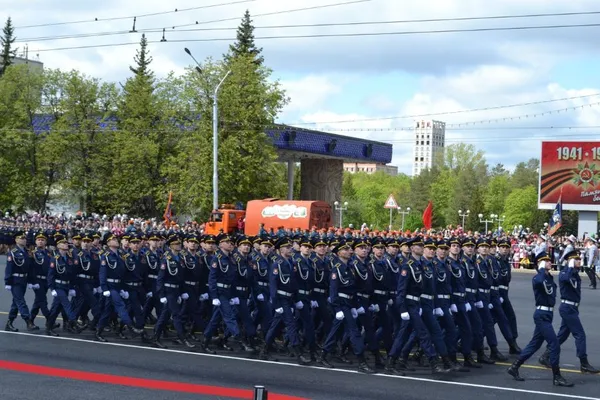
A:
509	311
543	332
61	303
349	324
224	313
19	306
40	302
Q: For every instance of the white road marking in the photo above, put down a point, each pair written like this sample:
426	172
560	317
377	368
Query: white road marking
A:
278	363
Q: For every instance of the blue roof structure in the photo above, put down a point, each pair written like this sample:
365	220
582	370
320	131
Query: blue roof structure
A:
292	141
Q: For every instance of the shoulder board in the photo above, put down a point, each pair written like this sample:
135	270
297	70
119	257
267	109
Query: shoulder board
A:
337	265
57	256
237	257
168	256
219	255
410	262
355	262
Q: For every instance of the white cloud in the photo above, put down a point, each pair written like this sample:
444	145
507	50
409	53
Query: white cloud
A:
309	92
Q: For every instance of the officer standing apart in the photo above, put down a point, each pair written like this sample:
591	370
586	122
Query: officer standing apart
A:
570	294
544	292
17	276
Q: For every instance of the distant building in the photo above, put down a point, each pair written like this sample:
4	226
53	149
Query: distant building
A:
430	138
24	58
370	168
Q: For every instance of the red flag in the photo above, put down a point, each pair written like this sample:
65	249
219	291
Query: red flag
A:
168	211
427	215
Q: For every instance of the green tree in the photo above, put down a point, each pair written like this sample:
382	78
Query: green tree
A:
6	42
498	170
245	45
520	207
496	191
526	173
442	193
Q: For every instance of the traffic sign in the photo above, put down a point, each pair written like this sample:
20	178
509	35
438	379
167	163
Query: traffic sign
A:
390	202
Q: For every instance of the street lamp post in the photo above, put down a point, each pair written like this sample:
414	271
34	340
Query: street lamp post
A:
404	213
465	215
341	209
500	220
486	221
215	120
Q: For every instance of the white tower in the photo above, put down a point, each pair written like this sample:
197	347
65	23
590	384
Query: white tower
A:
430	137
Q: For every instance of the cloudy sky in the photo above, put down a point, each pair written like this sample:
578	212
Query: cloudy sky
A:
370	86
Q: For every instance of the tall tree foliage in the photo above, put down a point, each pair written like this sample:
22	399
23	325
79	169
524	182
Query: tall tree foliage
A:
6	43
245	45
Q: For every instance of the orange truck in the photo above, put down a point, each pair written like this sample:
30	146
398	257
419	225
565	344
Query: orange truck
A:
271	214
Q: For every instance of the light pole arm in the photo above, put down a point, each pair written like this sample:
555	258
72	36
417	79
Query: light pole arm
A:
220	83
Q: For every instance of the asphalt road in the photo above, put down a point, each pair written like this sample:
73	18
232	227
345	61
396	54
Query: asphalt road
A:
36	366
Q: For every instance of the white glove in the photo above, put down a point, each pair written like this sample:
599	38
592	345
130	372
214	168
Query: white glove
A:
53	293
106	293
260	297
124	294
204	297
8	287
179	300
148	295
30	286
439	312
542	266
501	300
453	308
420	311
360	310
279	310
372	307
36	286
354	313
571	263
299	305
98	290
314	304
72	293
376	308
236	301
95	290
216	302
405	316
185	296
490	306
479	304
390	302
339	315
468	307
163	300
231	302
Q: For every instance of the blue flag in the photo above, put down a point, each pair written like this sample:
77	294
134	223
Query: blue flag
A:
556	218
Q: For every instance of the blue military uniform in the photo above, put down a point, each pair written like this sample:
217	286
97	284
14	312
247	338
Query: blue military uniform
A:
544	292
245	267
503	285
283	288
88	283
134	282
570	299
194	270
151	259
41	260
17	275
306	282
342	294
384	282
264	307
170	290
322	270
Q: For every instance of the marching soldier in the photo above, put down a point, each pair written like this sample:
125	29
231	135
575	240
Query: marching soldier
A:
261	286
41	264
321	266
570	295
150	259
544	291
194	270
18	274
135	277
243	287
306	282
87	281
504	283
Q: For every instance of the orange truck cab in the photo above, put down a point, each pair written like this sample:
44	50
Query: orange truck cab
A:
224	220
289	214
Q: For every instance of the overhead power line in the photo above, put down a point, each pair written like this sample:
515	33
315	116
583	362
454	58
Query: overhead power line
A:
177	10
296	26
327	35
530	103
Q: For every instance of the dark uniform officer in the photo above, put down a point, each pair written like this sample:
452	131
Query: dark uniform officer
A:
570	295
283	288
544	291
41	259
244	283
18	274
194	271
342	294
111	274
264	309
88	281
135	277
408	303
321	264
61	281
504	284
151	258
170	290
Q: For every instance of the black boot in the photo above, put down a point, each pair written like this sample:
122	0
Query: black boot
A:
436	367
558	379
586	367
455	366
9	326
514	348
265	354
99	336
324	360
545	359
156	341
390	367
402	365
302	360
50	331
245	345
470	362
483	359
187	343
363	366
378	361
31	326
496	355
205	346
513	370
